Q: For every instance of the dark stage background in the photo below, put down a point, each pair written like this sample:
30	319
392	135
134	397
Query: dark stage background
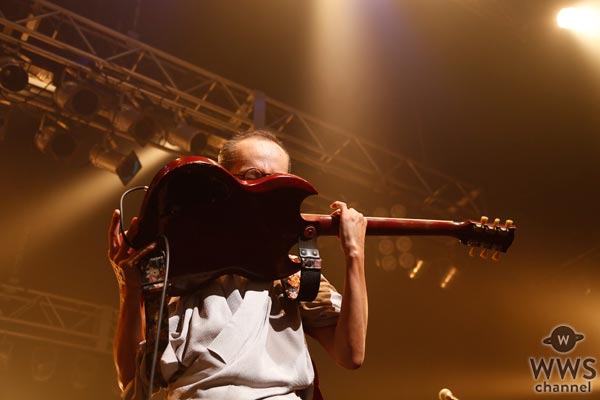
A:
493	93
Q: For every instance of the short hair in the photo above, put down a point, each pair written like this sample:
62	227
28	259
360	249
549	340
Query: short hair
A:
228	153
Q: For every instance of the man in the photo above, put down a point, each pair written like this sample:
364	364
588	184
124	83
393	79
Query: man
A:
235	338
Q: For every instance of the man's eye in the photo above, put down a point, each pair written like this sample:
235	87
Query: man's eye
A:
253	174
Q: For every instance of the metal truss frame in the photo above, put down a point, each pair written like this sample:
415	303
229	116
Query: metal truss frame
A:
59	320
151	76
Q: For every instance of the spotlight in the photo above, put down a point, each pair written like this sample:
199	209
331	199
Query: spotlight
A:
55	142
125	166
139	126
387	263
43	363
403	244
77	98
12	75
415	271
385	246
381	212
407	260
188	138
448	277
398	211
584	20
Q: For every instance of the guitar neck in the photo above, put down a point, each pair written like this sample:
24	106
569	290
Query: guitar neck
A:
327	225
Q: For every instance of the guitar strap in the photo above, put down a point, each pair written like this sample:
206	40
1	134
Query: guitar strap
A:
310	268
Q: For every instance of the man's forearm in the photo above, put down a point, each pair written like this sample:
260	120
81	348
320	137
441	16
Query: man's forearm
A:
351	329
128	335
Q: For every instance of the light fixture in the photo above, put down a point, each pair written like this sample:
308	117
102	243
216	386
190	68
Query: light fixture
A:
387	263
12	75
140	126
55	141
126	166
448	277
414	273
398	211
407	260
187	138
403	244
77	98
385	245
579	19
44	360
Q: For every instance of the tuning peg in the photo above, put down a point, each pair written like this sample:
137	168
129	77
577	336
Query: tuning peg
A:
509	223
496	256
484	220
472	251
496	222
483	254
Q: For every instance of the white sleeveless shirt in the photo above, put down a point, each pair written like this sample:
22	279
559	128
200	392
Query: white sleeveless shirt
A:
239	339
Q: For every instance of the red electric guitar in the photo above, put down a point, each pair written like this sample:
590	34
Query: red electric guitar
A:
217	224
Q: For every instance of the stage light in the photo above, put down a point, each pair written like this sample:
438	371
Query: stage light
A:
381	212
398	211
12	75
55	142
385	246
43	363
126	166
407	260
187	138
403	244
415	271
448	277
77	98
579	19
387	263
139	126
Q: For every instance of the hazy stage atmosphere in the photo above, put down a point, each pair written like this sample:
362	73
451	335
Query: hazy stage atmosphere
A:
429	109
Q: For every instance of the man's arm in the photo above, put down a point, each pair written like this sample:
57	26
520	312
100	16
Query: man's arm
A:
130	324
345	341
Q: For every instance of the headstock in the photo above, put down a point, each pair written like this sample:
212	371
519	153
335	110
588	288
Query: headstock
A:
494	236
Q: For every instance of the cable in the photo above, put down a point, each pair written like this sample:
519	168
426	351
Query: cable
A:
160	316
121	225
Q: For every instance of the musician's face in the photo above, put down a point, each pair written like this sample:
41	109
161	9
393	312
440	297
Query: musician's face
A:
261	154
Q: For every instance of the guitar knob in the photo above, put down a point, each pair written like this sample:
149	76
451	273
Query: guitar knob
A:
509	223
496	256
484	220
483	254
496	222
472	251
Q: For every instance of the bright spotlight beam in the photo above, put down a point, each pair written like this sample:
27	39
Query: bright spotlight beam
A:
579	19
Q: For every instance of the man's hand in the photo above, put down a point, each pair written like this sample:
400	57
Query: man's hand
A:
125	260
353	227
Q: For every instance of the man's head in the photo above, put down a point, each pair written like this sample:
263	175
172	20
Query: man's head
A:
255	150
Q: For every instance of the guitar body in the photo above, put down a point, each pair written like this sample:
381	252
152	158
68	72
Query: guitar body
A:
215	223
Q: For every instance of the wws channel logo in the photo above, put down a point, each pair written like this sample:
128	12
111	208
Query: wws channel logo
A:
561	374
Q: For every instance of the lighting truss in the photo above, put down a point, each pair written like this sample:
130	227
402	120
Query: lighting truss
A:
149	75
54	319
